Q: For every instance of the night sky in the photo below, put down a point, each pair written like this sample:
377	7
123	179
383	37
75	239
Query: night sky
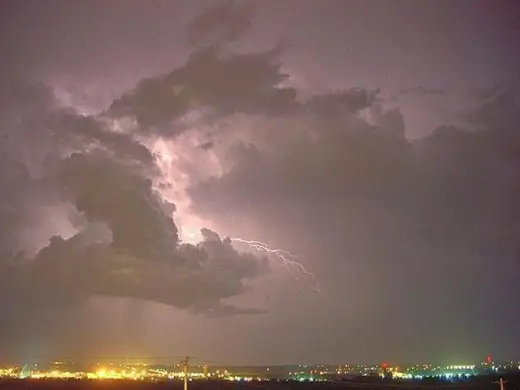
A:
375	140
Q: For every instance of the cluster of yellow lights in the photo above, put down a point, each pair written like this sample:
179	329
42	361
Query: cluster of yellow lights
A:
121	373
8	372
133	373
103	373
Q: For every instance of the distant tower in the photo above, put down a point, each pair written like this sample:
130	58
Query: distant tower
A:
205	370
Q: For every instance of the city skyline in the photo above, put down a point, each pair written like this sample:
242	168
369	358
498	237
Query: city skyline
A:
177	368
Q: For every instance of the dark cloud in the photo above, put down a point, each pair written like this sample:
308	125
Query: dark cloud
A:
127	244
407	215
348	101
106	191
89	132
211	84
46	299
139	255
220	24
33	120
80	218
23	148
37	134
69	272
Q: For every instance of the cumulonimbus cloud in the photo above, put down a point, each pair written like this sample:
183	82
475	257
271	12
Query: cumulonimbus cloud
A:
338	164
371	202
107	177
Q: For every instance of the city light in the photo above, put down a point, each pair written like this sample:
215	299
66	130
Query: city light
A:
120	372
311	373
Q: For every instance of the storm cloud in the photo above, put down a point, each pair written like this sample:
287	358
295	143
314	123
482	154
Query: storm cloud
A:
122	239
414	220
215	82
414	242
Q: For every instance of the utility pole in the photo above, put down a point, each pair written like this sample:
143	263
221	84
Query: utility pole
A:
501	383
185	370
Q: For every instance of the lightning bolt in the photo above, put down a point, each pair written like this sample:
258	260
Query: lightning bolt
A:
287	258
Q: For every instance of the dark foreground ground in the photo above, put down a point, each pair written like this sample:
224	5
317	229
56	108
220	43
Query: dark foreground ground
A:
479	383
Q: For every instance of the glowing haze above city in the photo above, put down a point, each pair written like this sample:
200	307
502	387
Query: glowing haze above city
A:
260	182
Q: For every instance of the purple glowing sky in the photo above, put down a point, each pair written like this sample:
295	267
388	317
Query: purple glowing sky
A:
379	143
